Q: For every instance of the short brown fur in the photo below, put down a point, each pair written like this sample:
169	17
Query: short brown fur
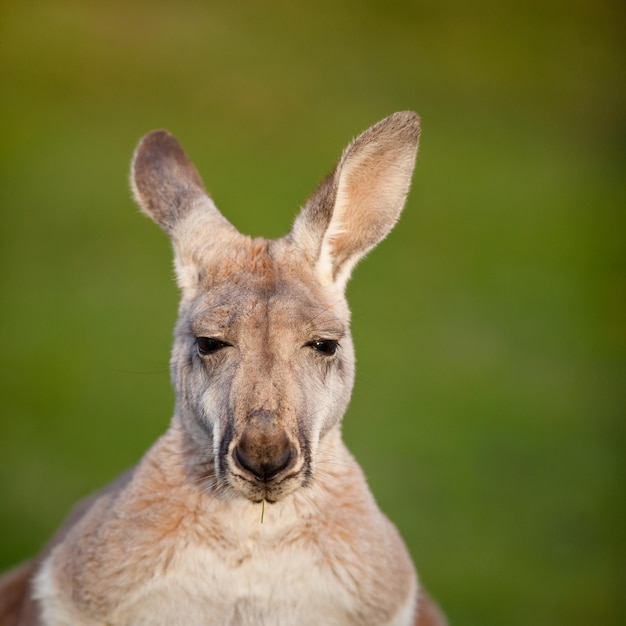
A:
263	368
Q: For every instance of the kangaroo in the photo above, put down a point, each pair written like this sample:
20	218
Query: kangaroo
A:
249	510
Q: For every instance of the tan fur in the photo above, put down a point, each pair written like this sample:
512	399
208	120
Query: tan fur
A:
263	368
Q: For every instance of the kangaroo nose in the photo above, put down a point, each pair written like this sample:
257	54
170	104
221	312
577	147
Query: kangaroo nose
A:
263	459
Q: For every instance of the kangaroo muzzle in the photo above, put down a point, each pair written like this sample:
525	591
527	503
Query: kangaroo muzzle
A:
264	451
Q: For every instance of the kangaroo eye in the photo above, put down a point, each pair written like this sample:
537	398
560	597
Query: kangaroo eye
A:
327	347
209	345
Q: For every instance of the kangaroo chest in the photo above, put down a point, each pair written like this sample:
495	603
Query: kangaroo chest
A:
253	585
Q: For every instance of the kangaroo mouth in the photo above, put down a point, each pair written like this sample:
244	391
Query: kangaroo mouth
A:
259	489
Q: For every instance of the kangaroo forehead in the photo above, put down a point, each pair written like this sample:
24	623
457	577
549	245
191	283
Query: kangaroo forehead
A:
280	310
246	261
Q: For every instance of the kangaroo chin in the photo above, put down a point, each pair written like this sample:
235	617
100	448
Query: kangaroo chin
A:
263	368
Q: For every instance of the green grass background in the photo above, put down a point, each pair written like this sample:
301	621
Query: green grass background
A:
488	411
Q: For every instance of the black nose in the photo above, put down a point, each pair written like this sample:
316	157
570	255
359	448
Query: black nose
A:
264	460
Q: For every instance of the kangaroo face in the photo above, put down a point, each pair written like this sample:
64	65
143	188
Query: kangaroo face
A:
264	359
263	364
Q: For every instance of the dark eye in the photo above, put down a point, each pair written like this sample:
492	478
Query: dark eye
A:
209	345
327	347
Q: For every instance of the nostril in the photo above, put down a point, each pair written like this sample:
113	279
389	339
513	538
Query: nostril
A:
280	464
244	462
265	466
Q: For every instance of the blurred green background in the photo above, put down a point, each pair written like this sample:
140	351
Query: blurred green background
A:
488	410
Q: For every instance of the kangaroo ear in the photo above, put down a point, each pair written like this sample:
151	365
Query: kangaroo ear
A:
164	181
357	205
166	185
168	189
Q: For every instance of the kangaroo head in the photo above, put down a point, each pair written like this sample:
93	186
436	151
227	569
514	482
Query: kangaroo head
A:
263	363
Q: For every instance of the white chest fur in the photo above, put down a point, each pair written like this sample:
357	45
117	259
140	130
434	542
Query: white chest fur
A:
270	573
277	573
285	587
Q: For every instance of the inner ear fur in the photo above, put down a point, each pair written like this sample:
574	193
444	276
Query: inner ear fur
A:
357	205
